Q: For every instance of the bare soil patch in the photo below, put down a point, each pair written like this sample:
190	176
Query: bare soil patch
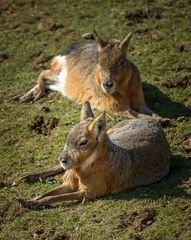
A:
41	125
138	220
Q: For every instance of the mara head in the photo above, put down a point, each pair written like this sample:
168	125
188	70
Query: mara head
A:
112	63
84	140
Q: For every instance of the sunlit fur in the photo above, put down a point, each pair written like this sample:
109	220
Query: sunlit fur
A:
100	161
133	153
84	70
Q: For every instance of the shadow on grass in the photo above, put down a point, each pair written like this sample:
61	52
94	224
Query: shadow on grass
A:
168	187
167	108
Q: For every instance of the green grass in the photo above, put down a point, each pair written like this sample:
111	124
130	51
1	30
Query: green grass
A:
161	49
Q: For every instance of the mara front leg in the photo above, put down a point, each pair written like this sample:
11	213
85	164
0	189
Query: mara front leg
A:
31	177
145	113
130	113
64	188
143	109
72	196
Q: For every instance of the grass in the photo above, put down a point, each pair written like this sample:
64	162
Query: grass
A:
161	49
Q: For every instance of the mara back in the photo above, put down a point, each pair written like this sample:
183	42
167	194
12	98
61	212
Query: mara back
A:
139	155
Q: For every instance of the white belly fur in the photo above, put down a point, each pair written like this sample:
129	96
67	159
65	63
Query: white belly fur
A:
60	79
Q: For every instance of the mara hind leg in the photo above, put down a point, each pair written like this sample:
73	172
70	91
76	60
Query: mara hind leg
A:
38	91
31	177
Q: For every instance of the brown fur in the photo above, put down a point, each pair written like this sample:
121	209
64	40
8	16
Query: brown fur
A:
99	162
89	67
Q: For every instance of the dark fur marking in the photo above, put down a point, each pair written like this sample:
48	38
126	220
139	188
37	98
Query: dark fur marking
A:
73	48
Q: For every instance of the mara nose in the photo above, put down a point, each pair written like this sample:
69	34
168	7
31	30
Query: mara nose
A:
64	161
107	84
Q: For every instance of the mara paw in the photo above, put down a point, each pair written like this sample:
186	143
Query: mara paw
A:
30	177
30	204
32	95
163	121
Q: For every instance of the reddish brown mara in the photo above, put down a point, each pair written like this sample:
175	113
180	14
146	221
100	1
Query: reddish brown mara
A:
99	73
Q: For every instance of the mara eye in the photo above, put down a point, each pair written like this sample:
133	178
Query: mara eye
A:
84	142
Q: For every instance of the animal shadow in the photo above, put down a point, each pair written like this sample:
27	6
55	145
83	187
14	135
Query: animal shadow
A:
162	104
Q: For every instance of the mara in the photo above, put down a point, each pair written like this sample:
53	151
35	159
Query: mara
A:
99	162
99	73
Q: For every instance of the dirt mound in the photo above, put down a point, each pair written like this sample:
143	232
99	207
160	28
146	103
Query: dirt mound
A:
49	26
41	125
138	220
3	57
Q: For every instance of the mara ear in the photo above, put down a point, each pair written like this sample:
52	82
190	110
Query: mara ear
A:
99	40
86	111
98	126
125	43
